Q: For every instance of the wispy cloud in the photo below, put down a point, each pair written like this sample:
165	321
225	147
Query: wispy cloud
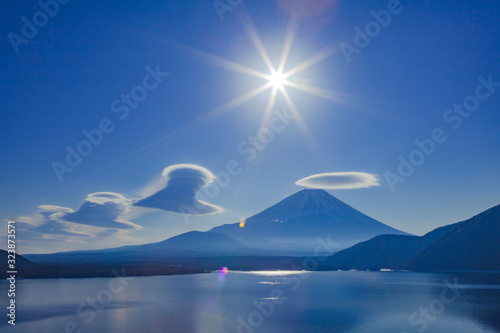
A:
97	217
102	209
339	180
47	221
183	181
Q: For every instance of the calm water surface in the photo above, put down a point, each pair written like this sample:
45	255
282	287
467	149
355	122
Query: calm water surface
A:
260	302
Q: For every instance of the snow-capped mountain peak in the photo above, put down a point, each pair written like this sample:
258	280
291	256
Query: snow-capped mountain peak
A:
303	217
307	202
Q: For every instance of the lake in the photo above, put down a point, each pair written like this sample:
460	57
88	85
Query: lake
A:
277	301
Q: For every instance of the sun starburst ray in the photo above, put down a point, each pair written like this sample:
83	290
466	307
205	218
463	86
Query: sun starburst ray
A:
306	132
215	60
268	111
287	46
238	101
256	40
331	95
319	56
275	78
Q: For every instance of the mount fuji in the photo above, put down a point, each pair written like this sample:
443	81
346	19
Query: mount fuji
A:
294	224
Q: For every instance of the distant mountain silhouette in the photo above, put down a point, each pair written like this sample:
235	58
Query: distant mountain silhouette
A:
295	223
385	251
471	245
193	243
21	262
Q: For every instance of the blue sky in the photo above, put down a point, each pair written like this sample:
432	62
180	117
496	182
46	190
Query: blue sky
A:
389	93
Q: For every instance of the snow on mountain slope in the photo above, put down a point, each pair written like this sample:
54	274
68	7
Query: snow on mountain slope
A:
296	222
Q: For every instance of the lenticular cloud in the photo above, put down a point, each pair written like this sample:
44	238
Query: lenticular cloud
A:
179	194
102	209
47	222
339	180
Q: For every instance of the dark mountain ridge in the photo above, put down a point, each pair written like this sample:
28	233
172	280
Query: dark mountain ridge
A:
471	245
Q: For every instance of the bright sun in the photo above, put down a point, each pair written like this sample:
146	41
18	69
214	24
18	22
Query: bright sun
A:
277	80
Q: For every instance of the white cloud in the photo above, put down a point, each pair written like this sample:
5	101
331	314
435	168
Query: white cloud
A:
102	209
100	222
47	222
339	180
183	181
